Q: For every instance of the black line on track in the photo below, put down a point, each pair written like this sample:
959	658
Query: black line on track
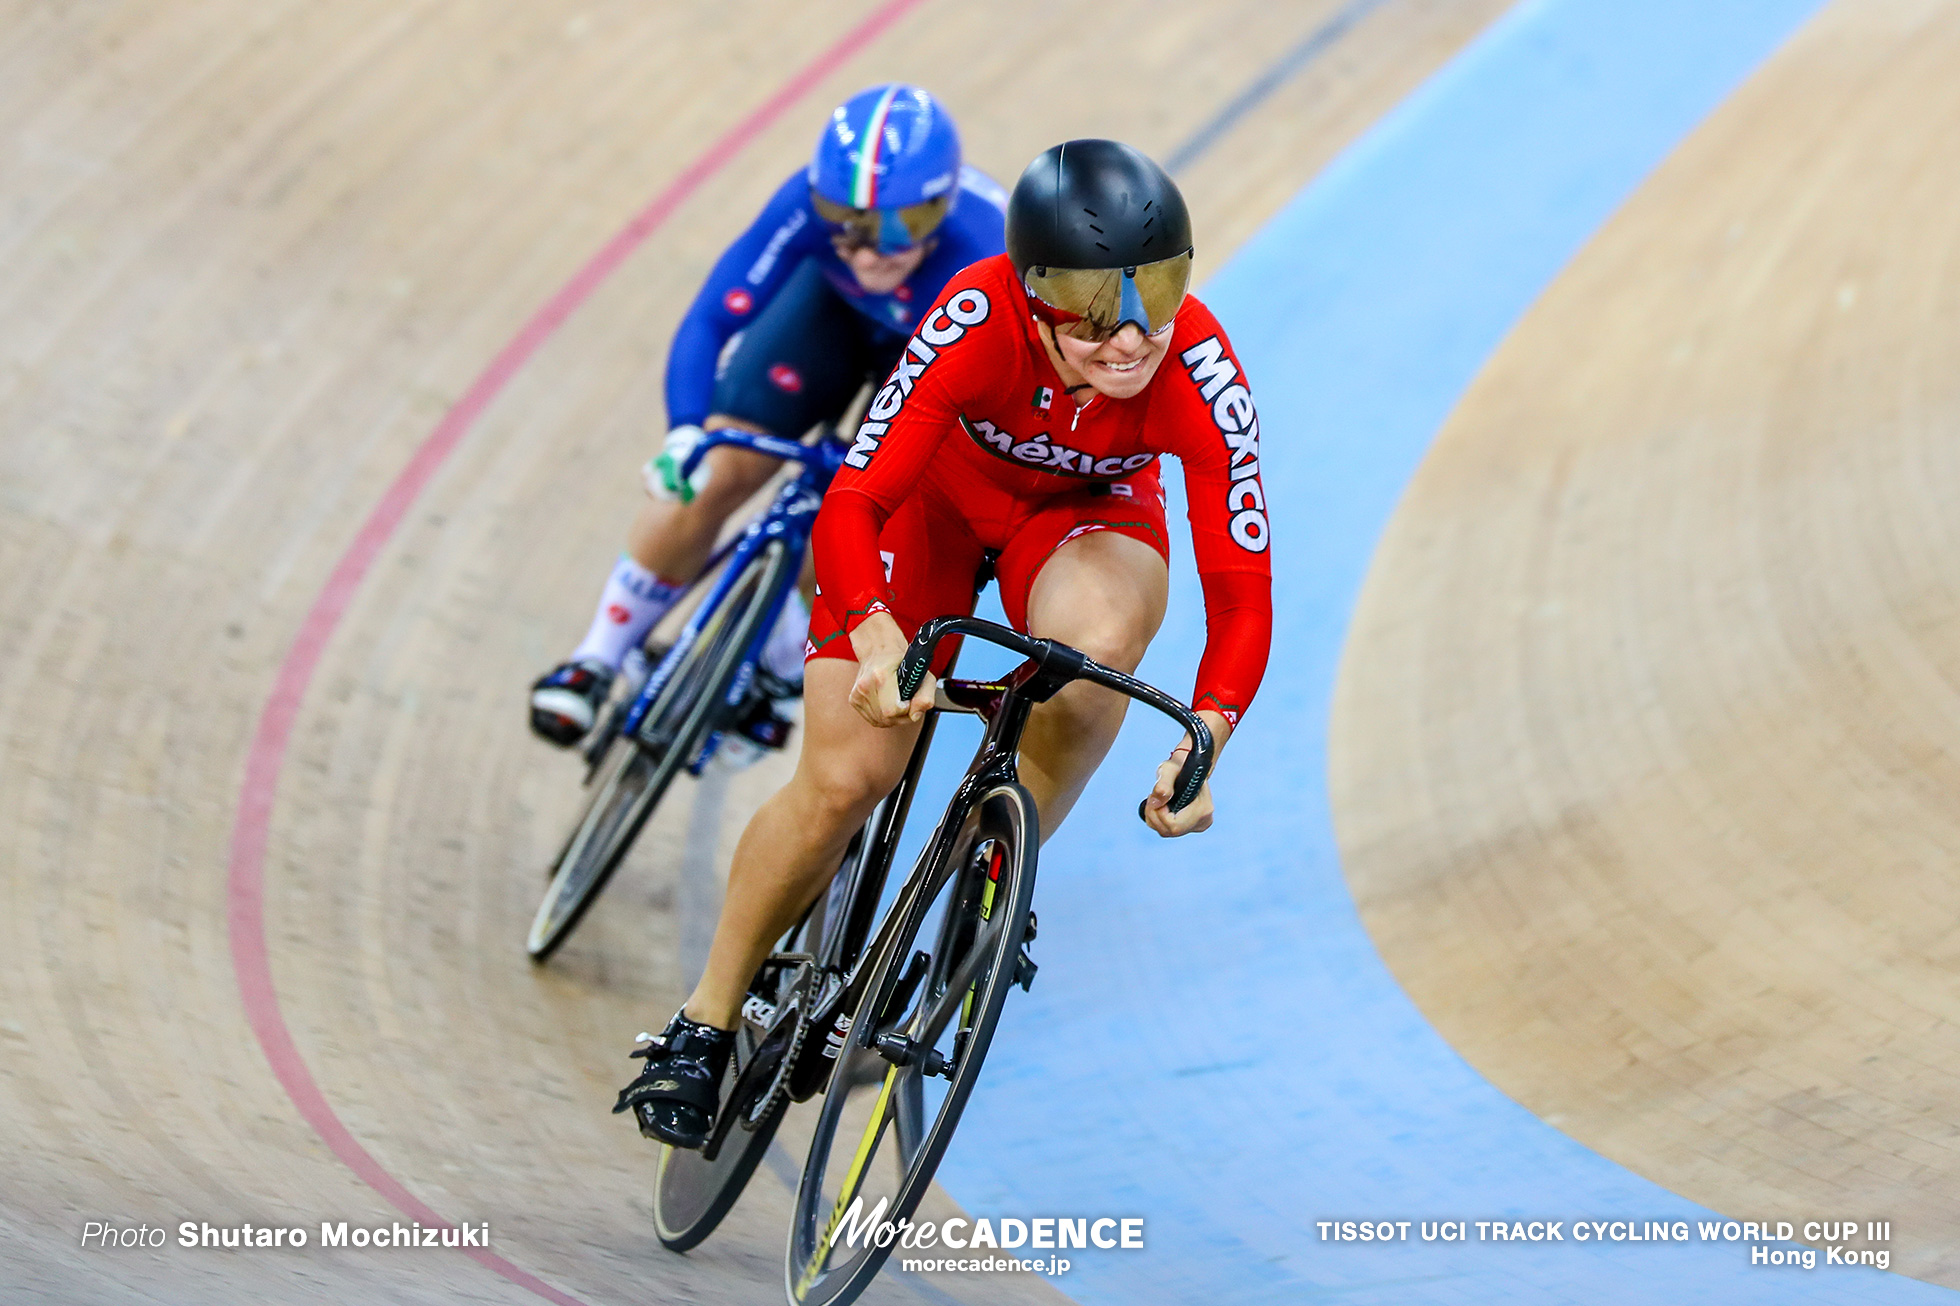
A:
1281	71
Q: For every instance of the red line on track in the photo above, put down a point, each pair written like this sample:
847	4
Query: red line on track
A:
251	958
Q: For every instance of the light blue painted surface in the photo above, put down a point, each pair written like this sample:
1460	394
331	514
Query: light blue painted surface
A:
1302	1085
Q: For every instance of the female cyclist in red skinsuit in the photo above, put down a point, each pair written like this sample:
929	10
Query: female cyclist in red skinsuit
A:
1025	419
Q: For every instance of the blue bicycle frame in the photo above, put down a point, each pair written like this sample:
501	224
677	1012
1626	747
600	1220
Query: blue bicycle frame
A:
788	519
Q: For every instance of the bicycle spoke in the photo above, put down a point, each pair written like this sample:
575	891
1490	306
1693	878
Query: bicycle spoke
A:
909	1117
852	1179
860	1073
932	1021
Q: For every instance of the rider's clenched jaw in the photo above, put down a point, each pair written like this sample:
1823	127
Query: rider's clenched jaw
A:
1119	367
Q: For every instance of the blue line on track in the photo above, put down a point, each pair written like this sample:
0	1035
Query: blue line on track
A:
1213	1043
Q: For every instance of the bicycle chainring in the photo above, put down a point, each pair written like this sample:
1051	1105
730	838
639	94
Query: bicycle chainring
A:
818	1059
787	1033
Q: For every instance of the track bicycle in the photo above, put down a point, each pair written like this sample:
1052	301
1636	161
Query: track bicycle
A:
695	691
894	1026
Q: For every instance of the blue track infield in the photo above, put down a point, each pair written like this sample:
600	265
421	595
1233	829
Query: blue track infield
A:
1213	1043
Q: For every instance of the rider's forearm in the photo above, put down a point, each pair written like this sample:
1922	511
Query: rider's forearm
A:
850	572
1239	635
879	638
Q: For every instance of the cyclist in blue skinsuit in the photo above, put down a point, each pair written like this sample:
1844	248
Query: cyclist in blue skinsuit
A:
816	298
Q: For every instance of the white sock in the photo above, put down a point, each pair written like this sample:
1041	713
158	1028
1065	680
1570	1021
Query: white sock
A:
782	652
633	601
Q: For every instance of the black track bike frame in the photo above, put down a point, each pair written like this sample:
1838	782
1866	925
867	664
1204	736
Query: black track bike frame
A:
1004	704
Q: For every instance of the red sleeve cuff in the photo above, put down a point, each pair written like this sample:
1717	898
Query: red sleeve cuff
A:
858	616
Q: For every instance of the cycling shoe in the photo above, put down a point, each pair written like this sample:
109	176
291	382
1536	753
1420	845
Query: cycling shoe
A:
566	701
675	1096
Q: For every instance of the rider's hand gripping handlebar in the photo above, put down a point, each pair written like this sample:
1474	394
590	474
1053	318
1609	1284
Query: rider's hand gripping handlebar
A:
1062	664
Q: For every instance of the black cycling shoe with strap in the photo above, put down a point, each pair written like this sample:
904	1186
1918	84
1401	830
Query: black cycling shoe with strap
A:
675	1096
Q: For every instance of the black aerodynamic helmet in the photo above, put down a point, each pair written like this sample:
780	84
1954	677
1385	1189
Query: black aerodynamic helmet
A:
1099	234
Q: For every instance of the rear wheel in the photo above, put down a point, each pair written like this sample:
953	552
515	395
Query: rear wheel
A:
696	1186
638	767
917	1042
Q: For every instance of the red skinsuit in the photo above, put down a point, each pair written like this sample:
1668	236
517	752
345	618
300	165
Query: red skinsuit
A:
973	445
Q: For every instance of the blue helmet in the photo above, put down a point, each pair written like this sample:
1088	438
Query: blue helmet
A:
894	150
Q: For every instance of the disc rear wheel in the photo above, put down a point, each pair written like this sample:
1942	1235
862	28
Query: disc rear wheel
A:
696	1187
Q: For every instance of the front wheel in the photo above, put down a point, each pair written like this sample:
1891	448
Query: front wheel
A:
918	1038
637	768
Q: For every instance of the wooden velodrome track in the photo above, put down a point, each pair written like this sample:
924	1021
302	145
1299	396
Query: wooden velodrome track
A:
257	256
1644	752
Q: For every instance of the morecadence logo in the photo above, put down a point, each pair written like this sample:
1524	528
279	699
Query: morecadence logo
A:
869	1228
